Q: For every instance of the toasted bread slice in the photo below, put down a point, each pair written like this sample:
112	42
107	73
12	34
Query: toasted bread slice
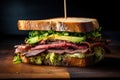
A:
71	24
81	62
68	61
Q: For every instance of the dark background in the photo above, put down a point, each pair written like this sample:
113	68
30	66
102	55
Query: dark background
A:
106	12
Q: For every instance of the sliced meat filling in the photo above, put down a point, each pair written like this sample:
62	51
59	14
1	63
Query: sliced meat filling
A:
33	52
58	47
68	51
22	48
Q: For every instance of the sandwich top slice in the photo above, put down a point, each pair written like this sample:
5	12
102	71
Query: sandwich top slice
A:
61	42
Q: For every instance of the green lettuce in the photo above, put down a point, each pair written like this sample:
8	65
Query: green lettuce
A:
55	59
99	53
36	36
95	33
37	59
16	59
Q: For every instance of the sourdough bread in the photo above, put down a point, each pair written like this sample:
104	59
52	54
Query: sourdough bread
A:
71	24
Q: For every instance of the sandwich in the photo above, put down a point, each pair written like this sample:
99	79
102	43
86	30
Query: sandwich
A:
72	41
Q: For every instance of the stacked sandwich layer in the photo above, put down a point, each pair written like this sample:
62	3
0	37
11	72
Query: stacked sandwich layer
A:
50	47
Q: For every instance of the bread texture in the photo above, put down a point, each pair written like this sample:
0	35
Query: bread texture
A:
68	61
80	62
71	24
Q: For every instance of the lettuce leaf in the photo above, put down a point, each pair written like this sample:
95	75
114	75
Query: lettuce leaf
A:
99	53
16	59
55	59
36	36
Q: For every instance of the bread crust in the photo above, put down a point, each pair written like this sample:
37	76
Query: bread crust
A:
80	62
71	24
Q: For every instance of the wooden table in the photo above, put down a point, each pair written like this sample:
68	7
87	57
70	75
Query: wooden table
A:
109	67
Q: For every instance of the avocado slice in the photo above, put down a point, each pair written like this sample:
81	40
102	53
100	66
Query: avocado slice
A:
36	39
68	38
33	40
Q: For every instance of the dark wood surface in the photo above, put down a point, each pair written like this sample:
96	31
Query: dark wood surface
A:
108	67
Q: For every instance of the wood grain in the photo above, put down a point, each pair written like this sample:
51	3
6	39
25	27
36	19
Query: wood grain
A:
10	70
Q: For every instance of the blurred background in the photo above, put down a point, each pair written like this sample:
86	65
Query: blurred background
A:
106	12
